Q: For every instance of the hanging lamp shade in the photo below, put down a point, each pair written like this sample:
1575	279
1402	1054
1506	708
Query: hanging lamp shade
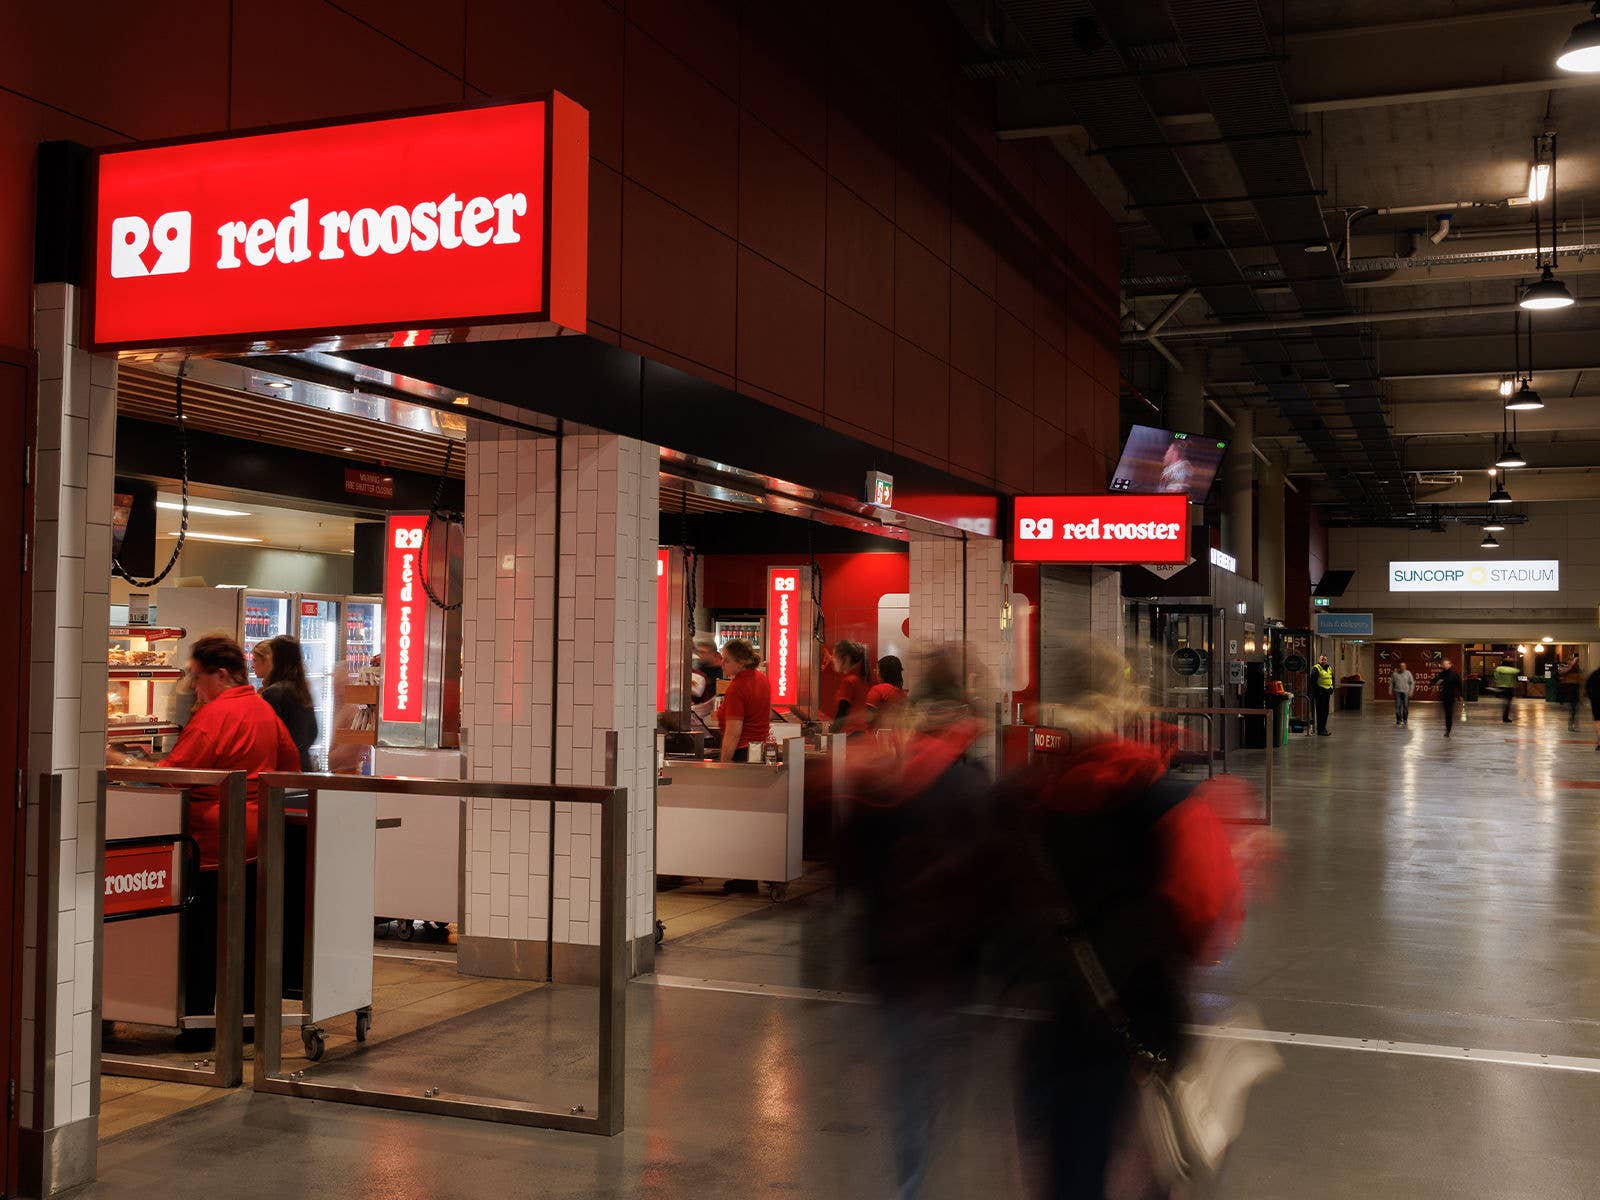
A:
1582	51
1548	293
1499	495
1510	457
1524	399
1489	542
1494	525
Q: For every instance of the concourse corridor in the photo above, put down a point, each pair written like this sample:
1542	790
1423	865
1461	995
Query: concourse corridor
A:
1430	965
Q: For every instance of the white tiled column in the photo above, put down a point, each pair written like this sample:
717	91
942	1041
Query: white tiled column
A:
548	673
74	472
958	594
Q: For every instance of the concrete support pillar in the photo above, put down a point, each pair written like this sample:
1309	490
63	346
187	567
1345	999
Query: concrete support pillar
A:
1186	398
558	649
1270	540
1239	491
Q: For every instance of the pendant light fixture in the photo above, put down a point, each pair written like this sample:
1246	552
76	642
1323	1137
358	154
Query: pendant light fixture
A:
1524	399
1493	524
1489	542
1499	495
1510	457
1548	292
1582	51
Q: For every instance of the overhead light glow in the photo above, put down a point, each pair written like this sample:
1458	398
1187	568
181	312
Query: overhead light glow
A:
1582	51
1526	400
1510	457
1494	525
462	401
211	537
201	509
1507	386
282	385
1548	293
1547	639
1489	542
1538	182
1522	649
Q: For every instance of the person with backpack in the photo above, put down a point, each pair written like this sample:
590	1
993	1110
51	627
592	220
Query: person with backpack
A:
1122	881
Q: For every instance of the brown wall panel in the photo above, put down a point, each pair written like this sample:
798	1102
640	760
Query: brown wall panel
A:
605	245
920	207
1013	375
1013	446
921	400
783	202
521	47
860	255
679	281
776	48
921	296
1050	473
780	332
434	29
972	331
1049	384
703	33
857	161
680	135
972	412
859	370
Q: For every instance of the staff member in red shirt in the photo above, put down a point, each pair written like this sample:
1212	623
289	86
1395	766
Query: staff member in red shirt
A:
889	693
850	702
746	712
233	729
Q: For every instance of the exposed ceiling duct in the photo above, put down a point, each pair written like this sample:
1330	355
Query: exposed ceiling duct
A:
1225	48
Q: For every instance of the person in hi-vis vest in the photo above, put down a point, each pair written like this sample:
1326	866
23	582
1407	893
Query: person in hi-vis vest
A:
1322	692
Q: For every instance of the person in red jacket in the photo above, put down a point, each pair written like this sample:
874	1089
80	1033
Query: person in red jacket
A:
233	729
850	701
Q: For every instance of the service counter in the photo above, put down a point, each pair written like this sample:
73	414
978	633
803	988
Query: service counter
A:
733	820
418	872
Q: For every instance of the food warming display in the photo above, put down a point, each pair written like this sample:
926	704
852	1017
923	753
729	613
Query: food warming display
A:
141	675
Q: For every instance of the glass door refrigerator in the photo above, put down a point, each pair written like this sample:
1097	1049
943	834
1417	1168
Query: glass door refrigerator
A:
263	616
363	638
321	646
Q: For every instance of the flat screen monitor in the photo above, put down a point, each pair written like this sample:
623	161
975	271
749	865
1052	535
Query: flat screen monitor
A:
1333	583
1159	460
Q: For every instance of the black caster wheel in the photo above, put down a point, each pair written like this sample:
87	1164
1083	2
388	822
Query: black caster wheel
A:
406	929
314	1042
363	1024
777	892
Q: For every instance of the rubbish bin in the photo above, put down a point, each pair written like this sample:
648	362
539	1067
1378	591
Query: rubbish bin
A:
1470	686
1350	696
1280	716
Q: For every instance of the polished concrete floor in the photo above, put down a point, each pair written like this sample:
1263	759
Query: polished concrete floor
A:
1429	964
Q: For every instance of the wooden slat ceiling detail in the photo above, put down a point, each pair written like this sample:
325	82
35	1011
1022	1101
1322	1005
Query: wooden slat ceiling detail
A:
148	395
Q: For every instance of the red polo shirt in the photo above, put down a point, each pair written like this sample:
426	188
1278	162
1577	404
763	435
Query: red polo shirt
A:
238	731
854	689
748	699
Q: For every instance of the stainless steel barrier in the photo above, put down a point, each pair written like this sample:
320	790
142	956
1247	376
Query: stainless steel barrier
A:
1144	730
270	1076
227	1058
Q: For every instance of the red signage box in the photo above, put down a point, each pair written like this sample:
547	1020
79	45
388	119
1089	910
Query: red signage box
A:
783	634
405	620
1108	529
440	219
140	878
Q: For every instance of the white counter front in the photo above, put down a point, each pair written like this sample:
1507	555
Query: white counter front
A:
418	858
733	820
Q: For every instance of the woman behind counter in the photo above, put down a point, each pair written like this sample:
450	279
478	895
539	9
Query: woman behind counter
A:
281	667
746	712
850	701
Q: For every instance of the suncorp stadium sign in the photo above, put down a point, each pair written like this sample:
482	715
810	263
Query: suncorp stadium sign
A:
1528	575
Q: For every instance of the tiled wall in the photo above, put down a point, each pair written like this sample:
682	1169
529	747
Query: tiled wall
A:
524	714
67	729
958	593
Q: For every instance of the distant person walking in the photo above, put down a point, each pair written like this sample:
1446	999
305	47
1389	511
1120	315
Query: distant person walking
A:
1570	691
1592	687
1322	692
1449	685
1505	682
1402	681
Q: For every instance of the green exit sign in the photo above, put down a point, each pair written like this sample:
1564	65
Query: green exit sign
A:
1321	601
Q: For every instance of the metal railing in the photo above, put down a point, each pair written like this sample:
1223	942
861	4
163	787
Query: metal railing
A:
227	1058
1143	730
270	1076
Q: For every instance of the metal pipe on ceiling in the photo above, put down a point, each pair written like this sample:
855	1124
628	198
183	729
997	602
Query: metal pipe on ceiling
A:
1367	318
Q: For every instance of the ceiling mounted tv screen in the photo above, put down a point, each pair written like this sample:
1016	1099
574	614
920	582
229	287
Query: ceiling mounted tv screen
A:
1160	461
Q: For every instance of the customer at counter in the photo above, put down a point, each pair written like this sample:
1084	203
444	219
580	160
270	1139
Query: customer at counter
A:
280	665
233	729
746	712
850	701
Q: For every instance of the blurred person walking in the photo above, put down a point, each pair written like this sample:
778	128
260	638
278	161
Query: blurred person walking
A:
1402	681
1591	688
912	854
1505	682
1123	881
1449	685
